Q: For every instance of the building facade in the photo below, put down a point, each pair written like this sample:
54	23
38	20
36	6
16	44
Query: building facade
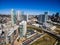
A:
13	16
2	38
43	17
22	29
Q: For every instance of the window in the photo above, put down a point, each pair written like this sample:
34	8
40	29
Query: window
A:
9	38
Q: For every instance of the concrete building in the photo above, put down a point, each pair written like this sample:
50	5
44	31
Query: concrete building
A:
13	16
22	29
43	17
49	26
11	35
2	38
27	17
19	16
8	34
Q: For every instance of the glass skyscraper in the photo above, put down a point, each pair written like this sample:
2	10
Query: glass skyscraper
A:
22	29
13	16
43	17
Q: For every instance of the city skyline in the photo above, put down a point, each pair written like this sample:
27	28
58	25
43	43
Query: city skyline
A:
33	7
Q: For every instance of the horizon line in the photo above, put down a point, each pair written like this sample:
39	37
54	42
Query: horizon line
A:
30	12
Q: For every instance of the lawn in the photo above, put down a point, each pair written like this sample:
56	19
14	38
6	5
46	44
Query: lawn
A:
58	30
45	40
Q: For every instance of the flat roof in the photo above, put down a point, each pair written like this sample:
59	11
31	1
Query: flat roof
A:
10	32
0	31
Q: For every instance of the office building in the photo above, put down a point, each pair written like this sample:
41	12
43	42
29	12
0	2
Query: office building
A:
18	16
27	17
13	16
46	16
22	29
43	17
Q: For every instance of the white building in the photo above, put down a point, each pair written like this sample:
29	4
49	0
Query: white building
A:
22	28
11	34
49	26
27	17
13	17
37	25
18	15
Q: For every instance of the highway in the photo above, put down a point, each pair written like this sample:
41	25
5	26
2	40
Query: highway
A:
52	34
55	23
47	31
28	41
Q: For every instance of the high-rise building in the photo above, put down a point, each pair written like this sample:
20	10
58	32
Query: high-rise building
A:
22	29
43	18
13	17
27	17
18	15
46	16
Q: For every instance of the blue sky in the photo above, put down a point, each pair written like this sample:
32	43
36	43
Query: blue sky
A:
30	6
